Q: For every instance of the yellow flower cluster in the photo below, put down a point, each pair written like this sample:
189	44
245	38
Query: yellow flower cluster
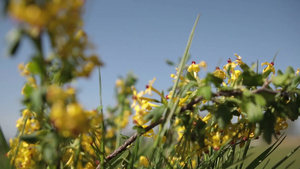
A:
44	13
68	160
61	19
142	105
68	116
216	137
229	67
27	155
28	122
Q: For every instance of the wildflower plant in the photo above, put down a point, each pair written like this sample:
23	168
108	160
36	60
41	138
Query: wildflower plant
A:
202	122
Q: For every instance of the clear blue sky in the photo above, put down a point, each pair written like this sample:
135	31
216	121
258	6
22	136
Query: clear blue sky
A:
139	35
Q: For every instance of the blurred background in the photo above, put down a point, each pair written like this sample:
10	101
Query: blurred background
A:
139	35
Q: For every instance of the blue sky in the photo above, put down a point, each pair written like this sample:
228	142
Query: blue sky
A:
139	35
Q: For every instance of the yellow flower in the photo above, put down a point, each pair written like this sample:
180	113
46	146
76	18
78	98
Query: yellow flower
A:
70	120
238	59
144	161
183	100
281	124
219	73
140	113
206	118
150	88
230	64
119	83
270	66
180	132
136	96
24	69
216	141
122	121
235	74
196	67
149	133
181	77
55	93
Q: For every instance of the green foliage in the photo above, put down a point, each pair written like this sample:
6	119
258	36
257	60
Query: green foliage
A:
204	122
14	39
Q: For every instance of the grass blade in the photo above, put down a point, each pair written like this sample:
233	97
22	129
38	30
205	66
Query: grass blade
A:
266	164
3	142
286	157
181	67
102	148
265	154
290	164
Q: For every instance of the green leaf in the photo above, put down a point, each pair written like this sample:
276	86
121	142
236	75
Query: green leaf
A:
204	91
295	81
170	63
37	66
279	72
279	80
289	70
267	73
31	139
222	116
200	132
244	67
14	39
252	79
247	93
124	137
210	78
49	148
267	96
28	89
140	130
292	109
156	113
267	125
37	99
254	112
185	89
190	76
234	100
260	100
49	154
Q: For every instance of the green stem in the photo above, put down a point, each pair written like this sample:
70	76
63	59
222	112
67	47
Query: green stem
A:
77	151
119	128
102	147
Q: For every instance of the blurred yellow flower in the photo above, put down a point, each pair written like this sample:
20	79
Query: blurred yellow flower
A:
144	161
219	73
270	66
